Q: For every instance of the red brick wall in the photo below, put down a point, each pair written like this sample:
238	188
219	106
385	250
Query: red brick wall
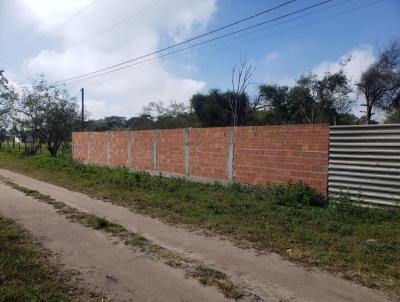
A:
80	151
262	155
170	151
98	148
119	148
208	153
142	150
277	154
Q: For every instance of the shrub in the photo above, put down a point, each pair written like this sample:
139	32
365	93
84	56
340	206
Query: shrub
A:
298	194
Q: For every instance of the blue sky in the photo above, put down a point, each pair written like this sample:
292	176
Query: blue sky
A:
300	50
281	56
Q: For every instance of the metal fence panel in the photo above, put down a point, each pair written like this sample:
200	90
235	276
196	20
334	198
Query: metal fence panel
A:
364	163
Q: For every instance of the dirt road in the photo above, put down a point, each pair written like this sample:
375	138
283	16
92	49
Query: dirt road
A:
269	276
114	269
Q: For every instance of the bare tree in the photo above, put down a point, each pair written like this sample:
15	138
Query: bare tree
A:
380	83
242	76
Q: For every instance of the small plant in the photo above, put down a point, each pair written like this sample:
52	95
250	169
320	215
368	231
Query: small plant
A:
298	194
12	234
101	223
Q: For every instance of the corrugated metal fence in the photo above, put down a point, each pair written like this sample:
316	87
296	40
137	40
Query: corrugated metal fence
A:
364	163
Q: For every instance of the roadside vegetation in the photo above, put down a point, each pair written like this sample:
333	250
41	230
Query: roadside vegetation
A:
28	273
358	243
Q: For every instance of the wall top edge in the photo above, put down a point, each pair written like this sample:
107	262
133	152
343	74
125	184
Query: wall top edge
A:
237	127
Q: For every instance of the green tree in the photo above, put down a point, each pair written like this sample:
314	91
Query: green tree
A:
174	115
315	100
311	100
394	115
214	109
275	99
114	122
143	121
47	113
7	95
380	83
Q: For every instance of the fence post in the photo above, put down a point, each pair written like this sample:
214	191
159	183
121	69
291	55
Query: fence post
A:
129	149
89	147
72	146
154	155
230	154
186	147
108	148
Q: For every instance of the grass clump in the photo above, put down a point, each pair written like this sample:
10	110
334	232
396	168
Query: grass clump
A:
27	274
298	195
209	276
100	223
361	244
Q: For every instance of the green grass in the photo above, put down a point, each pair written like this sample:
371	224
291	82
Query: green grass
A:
27	274
361	244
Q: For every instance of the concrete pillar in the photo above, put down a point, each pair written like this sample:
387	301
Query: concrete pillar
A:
230	154
129	149
154	150
186	149
89	147
108	148
73	147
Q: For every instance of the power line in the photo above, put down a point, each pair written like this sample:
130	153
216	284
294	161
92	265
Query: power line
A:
195	45
251	40
49	32
194	38
104	30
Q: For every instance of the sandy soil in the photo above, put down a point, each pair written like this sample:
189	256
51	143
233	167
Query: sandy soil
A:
269	276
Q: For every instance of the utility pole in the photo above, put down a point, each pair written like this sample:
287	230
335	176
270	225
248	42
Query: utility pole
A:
83	109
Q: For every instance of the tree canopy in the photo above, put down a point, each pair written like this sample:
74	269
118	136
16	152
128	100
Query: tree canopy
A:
380	83
311	100
214	109
42	112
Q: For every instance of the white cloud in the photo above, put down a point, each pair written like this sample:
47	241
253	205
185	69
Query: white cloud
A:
167	21
359	59
271	56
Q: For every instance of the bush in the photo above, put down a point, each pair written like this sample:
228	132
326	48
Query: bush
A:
298	194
